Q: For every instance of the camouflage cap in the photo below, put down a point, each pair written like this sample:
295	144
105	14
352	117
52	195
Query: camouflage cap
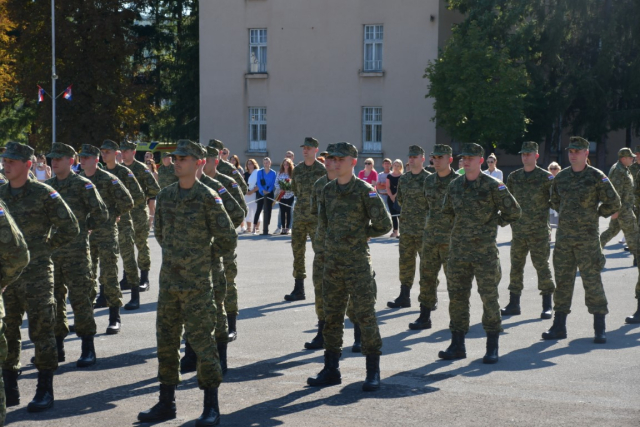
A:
89	150
212	152
189	148
128	145
310	142
625	152
323	153
330	148
60	150
108	144
415	150
472	149
637	149
17	151
529	147
216	143
578	143
343	149
442	150
165	154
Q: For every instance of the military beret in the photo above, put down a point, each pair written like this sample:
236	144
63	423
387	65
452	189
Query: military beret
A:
17	151
216	143
189	148
212	151
60	150
89	150
343	149
625	152
128	145
529	147
415	150
578	143
472	149
442	150
108	144
310	142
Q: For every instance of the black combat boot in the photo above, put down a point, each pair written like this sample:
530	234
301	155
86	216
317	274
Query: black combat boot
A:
60	347
144	280
318	341
222	354
44	393
124	283
372	381
635	318
403	300
189	361
88	355
357	339
211	412
11	390
114	321
330	374
165	409
599	328
134	304
559	328
547	307
513	308
457	349
423	321
233	332
434	307
491	356
298	291
101	301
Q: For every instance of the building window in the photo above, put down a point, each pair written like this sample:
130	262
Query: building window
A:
372	129
373	35
257	129
258	51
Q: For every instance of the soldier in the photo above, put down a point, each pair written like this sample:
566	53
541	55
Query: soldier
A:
411	198
72	263
140	218
580	194
531	186
126	240
186	290
351	212
477	204
437	233
38	210
166	174
304	175
103	241
227	168
14	257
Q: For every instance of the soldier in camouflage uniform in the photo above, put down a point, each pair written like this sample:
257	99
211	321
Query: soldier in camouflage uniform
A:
166	173
72	263
531	186
477	204
126	232
304	175
47	224
580	194
226	168
410	196
436	236
189	216
351	211
140	218
633	170
103	241
14	257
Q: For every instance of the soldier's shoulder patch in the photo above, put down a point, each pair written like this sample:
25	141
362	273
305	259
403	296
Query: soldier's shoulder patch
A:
54	194
218	200
234	185
222	190
235	171
115	181
502	187
1	212
3	181
605	179
550	177
147	171
88	186
373	194
131	174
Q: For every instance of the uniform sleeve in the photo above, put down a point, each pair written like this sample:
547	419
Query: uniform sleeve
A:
322	210
380	218
14	255
135	190
235	212
62	219
447	206
151	187
240	180
122	197
313	198
547	187
508	207
399	196
220	226
609	197
234	189
158	217
98	212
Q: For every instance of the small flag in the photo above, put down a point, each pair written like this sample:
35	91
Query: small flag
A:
222	190
235	171
218	200
40	94
67	93
54	195
502	187
131	175
373	194
88	186
234	185
1	212
551	177
605	179
115	182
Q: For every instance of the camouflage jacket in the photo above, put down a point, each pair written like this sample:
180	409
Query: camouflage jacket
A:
477	208
350	214
129	180
231	205
533	193
580	198
437	229
114	195
316	196
145	179
14	255
411	198
633	170
302	179
228	169
185	228
622	181
232	187
166	175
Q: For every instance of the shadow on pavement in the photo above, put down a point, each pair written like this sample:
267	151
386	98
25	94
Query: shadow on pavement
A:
263	310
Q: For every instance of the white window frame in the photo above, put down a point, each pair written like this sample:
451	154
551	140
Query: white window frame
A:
373	46
372	129
257	128
257	50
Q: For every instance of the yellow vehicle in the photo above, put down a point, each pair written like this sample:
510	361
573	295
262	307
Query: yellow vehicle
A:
157	148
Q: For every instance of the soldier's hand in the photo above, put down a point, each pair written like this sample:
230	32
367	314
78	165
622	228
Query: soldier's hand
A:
615	215
117	219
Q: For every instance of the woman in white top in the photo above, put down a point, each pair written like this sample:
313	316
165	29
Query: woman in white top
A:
286	199
251	176
492	170
41	170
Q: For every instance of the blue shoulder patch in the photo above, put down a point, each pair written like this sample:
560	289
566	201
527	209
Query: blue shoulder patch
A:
502	187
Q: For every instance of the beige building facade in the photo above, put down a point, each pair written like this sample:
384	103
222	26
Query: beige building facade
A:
275	71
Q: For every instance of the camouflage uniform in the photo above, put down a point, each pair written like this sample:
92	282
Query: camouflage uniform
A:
166	176
3	179
622	181
227	168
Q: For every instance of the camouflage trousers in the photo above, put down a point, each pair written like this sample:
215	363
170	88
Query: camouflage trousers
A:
626	222
196	310
348	279
72	273
433	257
318	272
103	244
140	217
127	245
220	293
460	276
539	248
582	253
3	356
409	247
299	234
33	293
230	273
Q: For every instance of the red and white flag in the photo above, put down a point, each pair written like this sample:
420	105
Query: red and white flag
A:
67	93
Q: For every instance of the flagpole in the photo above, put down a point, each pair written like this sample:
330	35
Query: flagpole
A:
54	76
